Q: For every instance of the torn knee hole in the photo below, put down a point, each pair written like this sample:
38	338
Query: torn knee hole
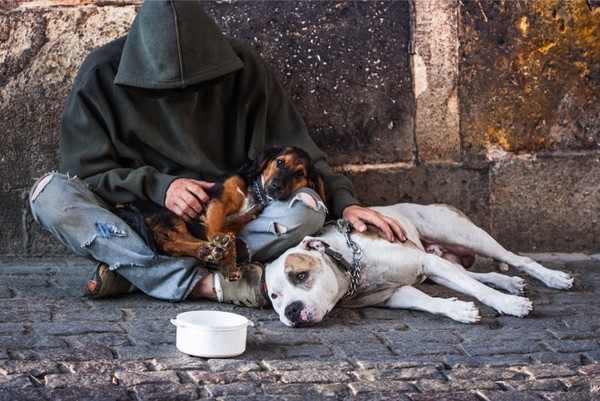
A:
40	186
308	200
110	230
279	228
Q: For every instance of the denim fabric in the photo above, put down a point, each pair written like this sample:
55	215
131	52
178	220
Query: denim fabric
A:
83	223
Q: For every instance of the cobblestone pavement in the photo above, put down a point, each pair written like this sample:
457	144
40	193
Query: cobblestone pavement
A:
56	345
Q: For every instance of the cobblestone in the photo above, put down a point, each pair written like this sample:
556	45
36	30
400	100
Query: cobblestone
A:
56	345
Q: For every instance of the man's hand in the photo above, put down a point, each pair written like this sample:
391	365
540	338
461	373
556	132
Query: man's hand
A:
187	198
358	215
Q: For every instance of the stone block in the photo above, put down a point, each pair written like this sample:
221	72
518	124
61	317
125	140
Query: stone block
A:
21	342
524	346
105	366
529	75
314	376
435	75
39	241
75	380
543	204
465	189
345	66
228	390
12	235
375	388
135	378
42	51
16	391
20	368
94	352
167	391
95	392
148	352
571	345
227	377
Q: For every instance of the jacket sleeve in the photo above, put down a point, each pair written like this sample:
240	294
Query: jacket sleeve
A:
87	150
284	126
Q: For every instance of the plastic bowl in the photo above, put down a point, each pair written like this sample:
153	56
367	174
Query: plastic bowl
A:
211	334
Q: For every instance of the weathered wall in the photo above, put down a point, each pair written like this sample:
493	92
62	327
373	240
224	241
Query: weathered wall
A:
489	106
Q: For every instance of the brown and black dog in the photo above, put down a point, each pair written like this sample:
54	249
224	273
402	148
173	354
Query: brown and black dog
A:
276	174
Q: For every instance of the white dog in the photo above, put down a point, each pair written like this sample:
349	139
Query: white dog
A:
355	269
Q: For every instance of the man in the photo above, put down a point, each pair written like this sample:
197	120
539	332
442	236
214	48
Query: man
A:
158	115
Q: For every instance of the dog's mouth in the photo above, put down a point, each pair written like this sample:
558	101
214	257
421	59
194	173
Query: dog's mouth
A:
274	191
297	315
300	324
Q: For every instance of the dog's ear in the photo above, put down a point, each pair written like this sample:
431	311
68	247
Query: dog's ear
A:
315	182
258	164
313	244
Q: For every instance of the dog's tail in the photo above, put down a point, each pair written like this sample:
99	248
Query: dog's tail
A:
135	220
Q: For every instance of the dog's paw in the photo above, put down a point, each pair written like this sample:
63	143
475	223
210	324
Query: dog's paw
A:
217	249
558	279
515	285
461	311
513	305
223	241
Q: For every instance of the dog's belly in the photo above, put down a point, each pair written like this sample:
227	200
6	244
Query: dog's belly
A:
249	206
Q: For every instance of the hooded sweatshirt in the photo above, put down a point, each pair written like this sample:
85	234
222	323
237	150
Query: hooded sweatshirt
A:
176	98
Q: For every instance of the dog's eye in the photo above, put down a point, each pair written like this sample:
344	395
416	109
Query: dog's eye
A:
300	173
301	276
280	163
273	296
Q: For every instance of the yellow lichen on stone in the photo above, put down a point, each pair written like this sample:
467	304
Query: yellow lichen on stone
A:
523	25
499	137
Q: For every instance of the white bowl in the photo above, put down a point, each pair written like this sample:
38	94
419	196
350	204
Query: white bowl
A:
211	334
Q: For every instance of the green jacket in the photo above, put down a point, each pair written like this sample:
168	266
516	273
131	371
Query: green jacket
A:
176	98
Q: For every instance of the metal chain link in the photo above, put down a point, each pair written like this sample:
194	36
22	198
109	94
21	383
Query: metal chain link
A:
345	227
258	194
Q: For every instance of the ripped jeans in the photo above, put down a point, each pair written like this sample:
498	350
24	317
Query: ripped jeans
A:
83	223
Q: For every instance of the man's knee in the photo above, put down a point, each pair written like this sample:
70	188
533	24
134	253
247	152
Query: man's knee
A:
307	211
284	224
40	199
50	195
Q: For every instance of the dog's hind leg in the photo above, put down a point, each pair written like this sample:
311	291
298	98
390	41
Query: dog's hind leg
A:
454	277
441	224
552	278
485	245
408	297
229	203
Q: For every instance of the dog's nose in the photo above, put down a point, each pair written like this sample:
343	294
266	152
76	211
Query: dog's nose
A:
292	311
274	188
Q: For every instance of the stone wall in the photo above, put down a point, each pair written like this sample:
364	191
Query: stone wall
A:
492	107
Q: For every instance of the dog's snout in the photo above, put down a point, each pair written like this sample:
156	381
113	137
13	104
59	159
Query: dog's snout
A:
275	186
292	311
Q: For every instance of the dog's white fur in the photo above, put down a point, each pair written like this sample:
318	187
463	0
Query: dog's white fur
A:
305	284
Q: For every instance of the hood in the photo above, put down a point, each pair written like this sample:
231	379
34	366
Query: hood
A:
173	44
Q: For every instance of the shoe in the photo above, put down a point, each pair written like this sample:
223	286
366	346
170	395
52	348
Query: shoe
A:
106	282
250	290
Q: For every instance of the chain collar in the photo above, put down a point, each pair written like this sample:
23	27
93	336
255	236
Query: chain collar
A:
353	269
259	196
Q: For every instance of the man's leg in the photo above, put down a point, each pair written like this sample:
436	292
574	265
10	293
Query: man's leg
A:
82	222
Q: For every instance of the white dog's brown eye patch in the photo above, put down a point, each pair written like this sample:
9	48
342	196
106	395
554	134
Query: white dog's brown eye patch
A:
300	269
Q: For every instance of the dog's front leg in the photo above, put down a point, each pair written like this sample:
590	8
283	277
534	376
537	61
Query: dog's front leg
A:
452	276
408	297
